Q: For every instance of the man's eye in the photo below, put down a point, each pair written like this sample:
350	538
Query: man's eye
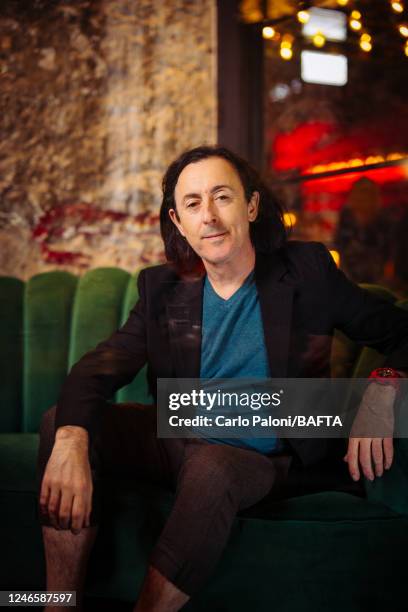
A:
192	204
222	196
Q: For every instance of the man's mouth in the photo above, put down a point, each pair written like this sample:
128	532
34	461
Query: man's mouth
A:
218	235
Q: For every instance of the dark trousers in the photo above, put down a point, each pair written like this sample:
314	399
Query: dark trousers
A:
212	483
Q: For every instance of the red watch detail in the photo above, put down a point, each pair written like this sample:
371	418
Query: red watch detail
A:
386	376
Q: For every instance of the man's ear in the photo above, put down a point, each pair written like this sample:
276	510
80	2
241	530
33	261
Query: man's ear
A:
174	217
253	206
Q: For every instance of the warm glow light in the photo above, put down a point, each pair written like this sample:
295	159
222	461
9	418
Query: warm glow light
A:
286	53
303	16
355	25
394	156
355	15
319	40
397	7
268	32
355	163
406	48
336	257
365	45
403	30
289	219
342	2
365	37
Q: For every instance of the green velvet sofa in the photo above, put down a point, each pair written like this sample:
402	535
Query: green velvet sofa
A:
318	552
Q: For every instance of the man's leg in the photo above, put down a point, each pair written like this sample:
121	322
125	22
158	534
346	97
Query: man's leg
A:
126	445
215	482
66	554
66	557
158	594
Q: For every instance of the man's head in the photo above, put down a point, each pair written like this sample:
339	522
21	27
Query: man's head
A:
215	206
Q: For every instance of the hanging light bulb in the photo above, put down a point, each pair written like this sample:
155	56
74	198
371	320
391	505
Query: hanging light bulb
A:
406	48
319	40
303	16
342	2
356	15
268	32
403	29
397	6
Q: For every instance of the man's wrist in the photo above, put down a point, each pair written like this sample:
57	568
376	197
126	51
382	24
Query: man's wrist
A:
72	433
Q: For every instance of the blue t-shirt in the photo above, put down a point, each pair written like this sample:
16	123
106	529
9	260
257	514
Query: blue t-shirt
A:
233	346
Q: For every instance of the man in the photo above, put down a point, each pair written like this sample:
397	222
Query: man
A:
235	300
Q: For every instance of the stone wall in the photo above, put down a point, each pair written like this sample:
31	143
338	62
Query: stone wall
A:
96	98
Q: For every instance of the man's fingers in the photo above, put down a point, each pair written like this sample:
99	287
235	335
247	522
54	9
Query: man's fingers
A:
53	506
65	509
352	457
44	496
388	446
365	458
378	457
78	514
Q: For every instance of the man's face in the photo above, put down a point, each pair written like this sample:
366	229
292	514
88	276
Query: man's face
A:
213	213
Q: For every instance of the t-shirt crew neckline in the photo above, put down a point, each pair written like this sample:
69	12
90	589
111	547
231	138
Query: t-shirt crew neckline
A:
226	302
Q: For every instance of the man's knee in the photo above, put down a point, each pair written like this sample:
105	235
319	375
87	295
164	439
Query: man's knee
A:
211	473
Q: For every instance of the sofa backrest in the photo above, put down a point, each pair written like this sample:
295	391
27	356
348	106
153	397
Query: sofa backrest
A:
49	322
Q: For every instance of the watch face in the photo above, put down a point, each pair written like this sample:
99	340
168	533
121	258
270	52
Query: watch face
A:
386	372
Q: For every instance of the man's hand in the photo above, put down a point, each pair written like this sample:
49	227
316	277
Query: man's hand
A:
367	451
66	490
371	441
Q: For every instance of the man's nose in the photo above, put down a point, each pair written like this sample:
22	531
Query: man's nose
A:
209	211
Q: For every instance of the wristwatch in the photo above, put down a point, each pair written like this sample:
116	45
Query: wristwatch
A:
386	376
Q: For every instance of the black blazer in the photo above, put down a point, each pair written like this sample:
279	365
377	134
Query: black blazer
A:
303	297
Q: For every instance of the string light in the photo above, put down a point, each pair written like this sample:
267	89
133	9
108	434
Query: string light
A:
403	29
303	16
397	7
365	45
286	53
355	25
365	42
319	40
268	32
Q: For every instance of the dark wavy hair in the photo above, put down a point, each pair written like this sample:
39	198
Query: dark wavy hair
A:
267	232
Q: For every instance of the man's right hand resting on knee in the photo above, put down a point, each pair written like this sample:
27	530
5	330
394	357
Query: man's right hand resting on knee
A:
66	491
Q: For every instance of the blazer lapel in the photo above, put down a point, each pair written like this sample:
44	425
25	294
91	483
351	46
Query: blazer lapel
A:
184	316
276	301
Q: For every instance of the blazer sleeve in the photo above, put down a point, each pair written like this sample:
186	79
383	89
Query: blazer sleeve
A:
105	369
366	318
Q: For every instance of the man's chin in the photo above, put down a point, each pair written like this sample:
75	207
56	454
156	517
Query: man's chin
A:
216	258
